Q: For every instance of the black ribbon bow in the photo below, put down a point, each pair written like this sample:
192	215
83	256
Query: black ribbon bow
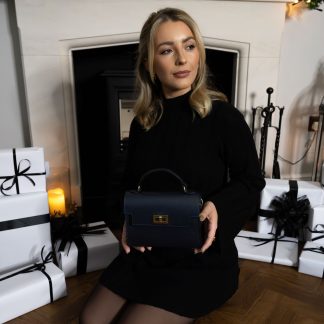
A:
68	230
20	171
290	213
40	266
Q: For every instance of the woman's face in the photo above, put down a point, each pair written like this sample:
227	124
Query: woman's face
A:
176	58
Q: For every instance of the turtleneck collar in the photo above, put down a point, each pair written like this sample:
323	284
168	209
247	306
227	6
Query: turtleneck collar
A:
177	101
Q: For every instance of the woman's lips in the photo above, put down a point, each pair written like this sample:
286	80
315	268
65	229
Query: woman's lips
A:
181	74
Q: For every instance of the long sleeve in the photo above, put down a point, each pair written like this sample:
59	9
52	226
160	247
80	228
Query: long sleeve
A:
128	180
237	200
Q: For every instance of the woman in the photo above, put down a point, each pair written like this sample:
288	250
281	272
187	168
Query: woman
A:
182	126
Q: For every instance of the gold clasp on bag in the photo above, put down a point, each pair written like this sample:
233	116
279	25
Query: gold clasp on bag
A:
160	219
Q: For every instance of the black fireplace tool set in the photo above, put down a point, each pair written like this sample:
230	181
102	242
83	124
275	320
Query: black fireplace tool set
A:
266	115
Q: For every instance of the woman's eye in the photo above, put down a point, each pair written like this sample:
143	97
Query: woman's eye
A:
190	47
166	51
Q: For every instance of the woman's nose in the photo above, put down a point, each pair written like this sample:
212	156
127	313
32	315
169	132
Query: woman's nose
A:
181	58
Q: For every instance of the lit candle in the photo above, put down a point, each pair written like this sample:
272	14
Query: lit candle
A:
56	202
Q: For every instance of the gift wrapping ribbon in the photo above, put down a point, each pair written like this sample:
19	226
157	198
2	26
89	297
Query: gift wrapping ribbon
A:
319	249
72	231
24	222
317	231
12	181
289	212
41	266
263	241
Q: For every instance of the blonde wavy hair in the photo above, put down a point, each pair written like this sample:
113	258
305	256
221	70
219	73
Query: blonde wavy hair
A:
148	106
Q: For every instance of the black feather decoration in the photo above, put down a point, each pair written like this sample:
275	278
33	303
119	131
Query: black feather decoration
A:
290	213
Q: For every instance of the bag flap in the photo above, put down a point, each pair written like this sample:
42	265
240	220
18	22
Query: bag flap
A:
161	208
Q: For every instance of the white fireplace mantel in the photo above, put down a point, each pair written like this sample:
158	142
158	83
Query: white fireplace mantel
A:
50	30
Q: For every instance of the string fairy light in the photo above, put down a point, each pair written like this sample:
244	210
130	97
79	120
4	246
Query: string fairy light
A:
311	4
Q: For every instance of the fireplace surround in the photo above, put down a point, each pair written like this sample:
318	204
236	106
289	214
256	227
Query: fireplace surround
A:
51	30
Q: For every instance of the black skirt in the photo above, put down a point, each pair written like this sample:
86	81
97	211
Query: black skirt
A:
176	280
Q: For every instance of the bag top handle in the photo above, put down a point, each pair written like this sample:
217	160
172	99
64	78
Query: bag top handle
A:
146	174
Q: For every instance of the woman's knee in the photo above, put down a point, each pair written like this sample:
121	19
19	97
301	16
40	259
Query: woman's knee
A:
86	316
90	314
101	307
142	313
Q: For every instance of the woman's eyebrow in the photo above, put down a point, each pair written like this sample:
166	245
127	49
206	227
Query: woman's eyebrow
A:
172	43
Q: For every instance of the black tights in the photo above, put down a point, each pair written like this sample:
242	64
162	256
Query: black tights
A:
104	306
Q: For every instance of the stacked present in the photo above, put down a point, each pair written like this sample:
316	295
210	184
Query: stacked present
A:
267	248
28	276
32	273
82	248
291	212
293	196
311	260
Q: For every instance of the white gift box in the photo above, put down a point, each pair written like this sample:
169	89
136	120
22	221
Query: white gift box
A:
316	223
22	170
311	262
24	229
101	251
27	291
276	187
286	251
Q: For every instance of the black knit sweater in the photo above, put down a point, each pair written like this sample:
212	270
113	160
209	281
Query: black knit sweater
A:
215	156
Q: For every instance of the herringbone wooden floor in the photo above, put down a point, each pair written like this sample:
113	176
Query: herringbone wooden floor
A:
267	294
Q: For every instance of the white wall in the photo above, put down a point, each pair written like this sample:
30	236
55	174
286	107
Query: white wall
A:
13	125
300	87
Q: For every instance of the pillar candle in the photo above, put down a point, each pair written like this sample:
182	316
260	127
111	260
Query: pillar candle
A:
56	201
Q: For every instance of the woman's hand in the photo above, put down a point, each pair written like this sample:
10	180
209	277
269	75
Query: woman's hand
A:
126	247
208	213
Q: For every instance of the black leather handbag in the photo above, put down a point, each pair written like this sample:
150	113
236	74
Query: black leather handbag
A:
163	218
